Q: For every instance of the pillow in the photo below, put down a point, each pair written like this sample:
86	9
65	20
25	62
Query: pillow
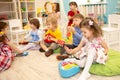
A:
57	50
112	66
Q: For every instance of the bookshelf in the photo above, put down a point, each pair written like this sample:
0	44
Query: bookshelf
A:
8	9
26	10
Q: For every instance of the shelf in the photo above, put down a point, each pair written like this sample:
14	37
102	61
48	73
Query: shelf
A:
7	12
27	1
100	3
26	10
6	2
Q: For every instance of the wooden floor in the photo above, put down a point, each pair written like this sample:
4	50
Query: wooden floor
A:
36	66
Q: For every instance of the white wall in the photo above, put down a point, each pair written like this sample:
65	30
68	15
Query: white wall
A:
85	1
40	3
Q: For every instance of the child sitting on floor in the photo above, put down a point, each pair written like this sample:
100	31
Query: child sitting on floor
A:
34	37
6	48
91	48
77	36
51	37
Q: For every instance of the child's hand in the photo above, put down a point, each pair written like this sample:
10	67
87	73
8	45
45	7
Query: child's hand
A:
71	29
61	42
67	50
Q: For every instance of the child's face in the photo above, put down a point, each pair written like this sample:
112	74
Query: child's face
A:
50	26
72	7
76	21
87	33
33	27
5	30
54	6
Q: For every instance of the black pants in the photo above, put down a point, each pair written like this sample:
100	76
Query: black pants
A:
62	49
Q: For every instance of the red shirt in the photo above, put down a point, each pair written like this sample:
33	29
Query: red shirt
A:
71	13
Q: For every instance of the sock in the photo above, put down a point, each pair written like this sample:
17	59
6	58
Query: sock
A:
46	50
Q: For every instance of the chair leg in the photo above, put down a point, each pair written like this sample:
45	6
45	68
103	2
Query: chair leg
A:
17	40
11	36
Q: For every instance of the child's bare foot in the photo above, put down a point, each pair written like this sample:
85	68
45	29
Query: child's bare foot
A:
67	49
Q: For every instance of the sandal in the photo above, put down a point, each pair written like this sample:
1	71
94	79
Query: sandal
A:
62	57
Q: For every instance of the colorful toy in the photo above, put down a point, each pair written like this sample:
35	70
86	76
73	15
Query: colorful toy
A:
48	38
68	69
23	43
61	42
22	54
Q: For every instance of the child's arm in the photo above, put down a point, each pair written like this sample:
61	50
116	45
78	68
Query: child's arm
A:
25	39
14	47
73	51
27	36
104	45
40	34
76	34
70	17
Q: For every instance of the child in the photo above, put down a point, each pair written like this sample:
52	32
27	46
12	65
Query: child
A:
51	36
72	12
34	36
77	35
7	48
56	10
89	46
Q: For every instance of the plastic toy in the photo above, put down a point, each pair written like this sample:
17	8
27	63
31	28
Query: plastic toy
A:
23	43
61	42
22	54
68	69
48	38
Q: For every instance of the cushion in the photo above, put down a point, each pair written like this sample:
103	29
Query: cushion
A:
112	66
68	69
57	50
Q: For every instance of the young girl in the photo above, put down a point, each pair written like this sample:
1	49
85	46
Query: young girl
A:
34	36
88	49
72	12
56	10
7	48
51	36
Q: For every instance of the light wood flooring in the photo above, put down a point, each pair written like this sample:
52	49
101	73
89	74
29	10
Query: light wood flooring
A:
36	66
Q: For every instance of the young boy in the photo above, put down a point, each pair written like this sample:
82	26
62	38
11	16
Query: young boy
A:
77	36
51	37
34	37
